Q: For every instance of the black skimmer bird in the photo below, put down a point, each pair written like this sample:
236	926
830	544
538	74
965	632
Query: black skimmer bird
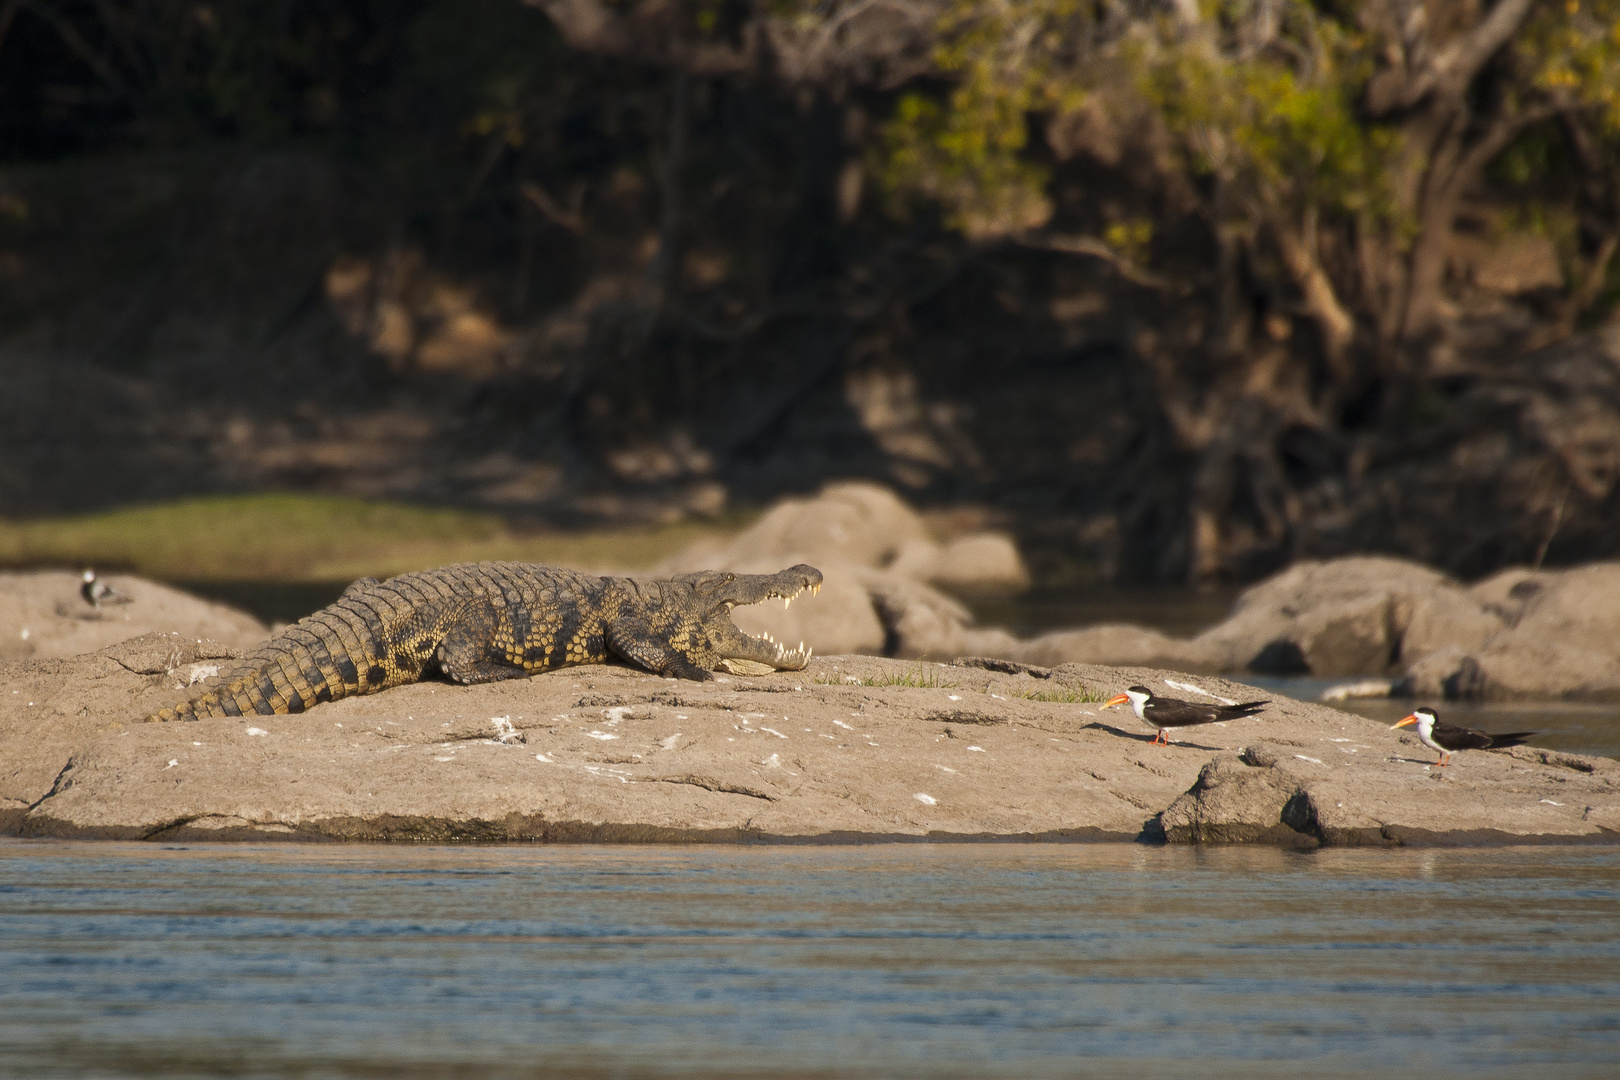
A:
1444	739
1167	713
97	592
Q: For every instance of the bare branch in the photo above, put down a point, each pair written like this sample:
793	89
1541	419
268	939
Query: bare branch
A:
1451	69
1503	132
1458	63
572	220
1071	244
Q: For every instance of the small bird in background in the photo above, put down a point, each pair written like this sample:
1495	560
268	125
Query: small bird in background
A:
1167	713
1444	739
97	592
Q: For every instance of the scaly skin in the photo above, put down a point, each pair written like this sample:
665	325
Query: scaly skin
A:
482	622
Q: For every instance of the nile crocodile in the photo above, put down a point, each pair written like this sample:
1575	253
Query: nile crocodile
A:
480	622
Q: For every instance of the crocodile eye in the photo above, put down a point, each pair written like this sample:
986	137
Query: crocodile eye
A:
731	577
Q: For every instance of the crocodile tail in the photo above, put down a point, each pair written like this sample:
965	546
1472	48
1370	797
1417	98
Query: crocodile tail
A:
335	653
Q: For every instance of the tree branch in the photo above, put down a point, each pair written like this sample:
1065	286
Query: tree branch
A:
1458	63
1451	69
1501	133
1090	245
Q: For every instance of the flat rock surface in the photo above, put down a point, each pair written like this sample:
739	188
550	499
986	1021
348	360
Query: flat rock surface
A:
43	615
851	749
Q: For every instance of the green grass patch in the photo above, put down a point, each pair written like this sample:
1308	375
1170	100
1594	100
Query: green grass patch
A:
916	678
1063	695
320	538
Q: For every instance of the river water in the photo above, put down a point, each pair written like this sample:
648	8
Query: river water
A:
991	960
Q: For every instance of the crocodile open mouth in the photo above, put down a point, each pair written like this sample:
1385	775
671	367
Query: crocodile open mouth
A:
787	598
785	659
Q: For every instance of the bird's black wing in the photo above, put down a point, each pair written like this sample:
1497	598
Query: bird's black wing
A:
1512	738
1170	712
1453	737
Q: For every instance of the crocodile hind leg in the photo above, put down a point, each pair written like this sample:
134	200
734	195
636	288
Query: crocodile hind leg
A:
464	657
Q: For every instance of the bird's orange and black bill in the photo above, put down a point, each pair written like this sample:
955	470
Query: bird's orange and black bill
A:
1412	719
1117	699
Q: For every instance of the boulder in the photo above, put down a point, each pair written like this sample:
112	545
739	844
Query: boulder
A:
43	615
1449	673
921	621
976	561
1449	616
1505	593
1110	643
858	523
1336	617
876	560
1565	642
1347	637
1234	802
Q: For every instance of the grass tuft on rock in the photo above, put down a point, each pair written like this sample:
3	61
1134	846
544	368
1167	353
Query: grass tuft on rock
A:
916	678
1062	695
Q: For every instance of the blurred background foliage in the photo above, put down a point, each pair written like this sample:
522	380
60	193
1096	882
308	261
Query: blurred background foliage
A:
1178	289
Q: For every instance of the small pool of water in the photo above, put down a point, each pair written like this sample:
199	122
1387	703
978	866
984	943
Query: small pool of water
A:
995	960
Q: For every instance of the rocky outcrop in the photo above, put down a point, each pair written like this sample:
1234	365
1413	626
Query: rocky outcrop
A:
851	749
43	615
879	566
1551	634
1517	634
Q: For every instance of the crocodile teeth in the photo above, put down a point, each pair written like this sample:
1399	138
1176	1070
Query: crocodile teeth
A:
786	600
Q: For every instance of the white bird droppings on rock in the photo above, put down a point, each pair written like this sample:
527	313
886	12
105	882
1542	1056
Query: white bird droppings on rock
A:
772	762
926	800
669	743
257	731
603	735
1191	689
172	763
978	749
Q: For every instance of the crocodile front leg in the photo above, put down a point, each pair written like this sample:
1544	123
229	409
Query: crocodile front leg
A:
636	642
